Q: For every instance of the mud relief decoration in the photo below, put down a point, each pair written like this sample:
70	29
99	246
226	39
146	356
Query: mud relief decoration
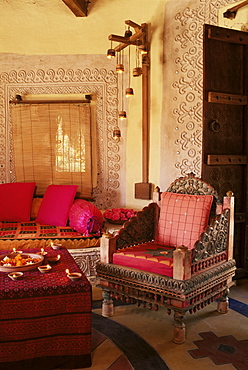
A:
183	82
100	82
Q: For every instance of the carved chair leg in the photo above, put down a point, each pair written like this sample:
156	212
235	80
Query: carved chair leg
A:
107	304
222	306
179	328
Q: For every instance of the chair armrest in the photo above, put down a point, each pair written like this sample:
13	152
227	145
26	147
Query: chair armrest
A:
140	228
107	248
182	260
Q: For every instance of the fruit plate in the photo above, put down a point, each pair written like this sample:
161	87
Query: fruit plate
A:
32	262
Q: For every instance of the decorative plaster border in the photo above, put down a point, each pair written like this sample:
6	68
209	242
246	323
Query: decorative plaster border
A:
183	87
102	83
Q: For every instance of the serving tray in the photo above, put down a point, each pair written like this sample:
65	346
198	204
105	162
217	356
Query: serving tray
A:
30	266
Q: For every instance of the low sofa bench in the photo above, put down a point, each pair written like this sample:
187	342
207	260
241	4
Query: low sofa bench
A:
30	234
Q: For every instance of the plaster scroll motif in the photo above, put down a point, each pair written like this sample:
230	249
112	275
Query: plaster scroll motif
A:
183	55
100	82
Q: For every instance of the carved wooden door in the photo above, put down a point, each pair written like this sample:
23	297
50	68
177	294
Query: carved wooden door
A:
225	120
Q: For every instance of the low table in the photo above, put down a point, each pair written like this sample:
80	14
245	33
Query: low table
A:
45	319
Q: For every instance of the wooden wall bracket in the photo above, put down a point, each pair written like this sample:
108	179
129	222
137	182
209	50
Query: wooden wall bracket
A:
143	190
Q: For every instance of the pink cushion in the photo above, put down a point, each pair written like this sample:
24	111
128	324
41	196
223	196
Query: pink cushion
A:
85	218
16	201
183	218
147	257
55	205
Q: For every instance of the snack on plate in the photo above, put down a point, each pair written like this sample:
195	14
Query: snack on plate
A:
18	260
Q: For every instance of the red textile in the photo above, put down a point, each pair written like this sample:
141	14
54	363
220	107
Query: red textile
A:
147	257
85	218
45	314
183	217
33	230
56	204
16	201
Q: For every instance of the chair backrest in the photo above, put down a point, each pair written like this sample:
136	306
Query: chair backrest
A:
185	209
191	184
183	218
147	220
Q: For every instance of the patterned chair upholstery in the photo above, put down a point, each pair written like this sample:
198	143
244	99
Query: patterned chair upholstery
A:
176	253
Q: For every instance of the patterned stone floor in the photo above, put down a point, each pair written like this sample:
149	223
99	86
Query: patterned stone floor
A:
213	341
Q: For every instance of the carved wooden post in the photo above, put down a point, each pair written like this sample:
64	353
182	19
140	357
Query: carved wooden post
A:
179	328
182	263
107	248
228	203
107	304
223	303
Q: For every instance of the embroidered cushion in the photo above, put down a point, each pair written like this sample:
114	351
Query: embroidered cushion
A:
183	217
56	204
147	257
16	201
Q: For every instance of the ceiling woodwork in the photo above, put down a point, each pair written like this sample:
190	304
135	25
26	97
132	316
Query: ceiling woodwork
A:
78	7
231	12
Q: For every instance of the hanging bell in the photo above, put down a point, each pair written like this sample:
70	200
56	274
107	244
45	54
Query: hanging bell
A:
117	134
119	68
128	33
129	91
137	71
122	115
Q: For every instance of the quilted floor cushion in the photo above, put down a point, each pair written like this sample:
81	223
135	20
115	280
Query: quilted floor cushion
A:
147	257
26	232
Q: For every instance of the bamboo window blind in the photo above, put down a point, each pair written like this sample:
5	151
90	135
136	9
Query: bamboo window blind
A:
52	145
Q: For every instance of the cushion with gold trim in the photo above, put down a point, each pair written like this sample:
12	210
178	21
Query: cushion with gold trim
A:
147	257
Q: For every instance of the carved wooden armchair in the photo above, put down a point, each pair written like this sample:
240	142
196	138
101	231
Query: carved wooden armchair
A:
178	255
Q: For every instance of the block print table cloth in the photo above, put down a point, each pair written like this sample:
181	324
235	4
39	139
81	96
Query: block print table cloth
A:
45	319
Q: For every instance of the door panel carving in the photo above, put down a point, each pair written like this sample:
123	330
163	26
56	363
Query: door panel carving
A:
225	69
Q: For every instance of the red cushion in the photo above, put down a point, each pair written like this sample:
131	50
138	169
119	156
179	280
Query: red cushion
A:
147	257
55	205
183	218
16	201
85	218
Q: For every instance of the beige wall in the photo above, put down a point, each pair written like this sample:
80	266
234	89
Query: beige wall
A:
45	27
48	27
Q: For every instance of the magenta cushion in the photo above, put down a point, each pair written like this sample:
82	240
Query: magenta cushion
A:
85	218
55	205
183	217
16	201
147	257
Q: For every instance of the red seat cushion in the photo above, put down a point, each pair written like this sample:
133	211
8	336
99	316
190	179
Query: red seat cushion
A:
183	218
147	257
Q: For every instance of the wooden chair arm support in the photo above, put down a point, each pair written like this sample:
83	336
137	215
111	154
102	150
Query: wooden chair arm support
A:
107	248
182	260
228	203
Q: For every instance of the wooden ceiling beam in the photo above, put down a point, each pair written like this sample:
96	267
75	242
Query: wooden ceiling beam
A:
78	7
231	12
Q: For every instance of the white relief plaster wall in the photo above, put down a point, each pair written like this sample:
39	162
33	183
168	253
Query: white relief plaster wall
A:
175	115
20	74
181	138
